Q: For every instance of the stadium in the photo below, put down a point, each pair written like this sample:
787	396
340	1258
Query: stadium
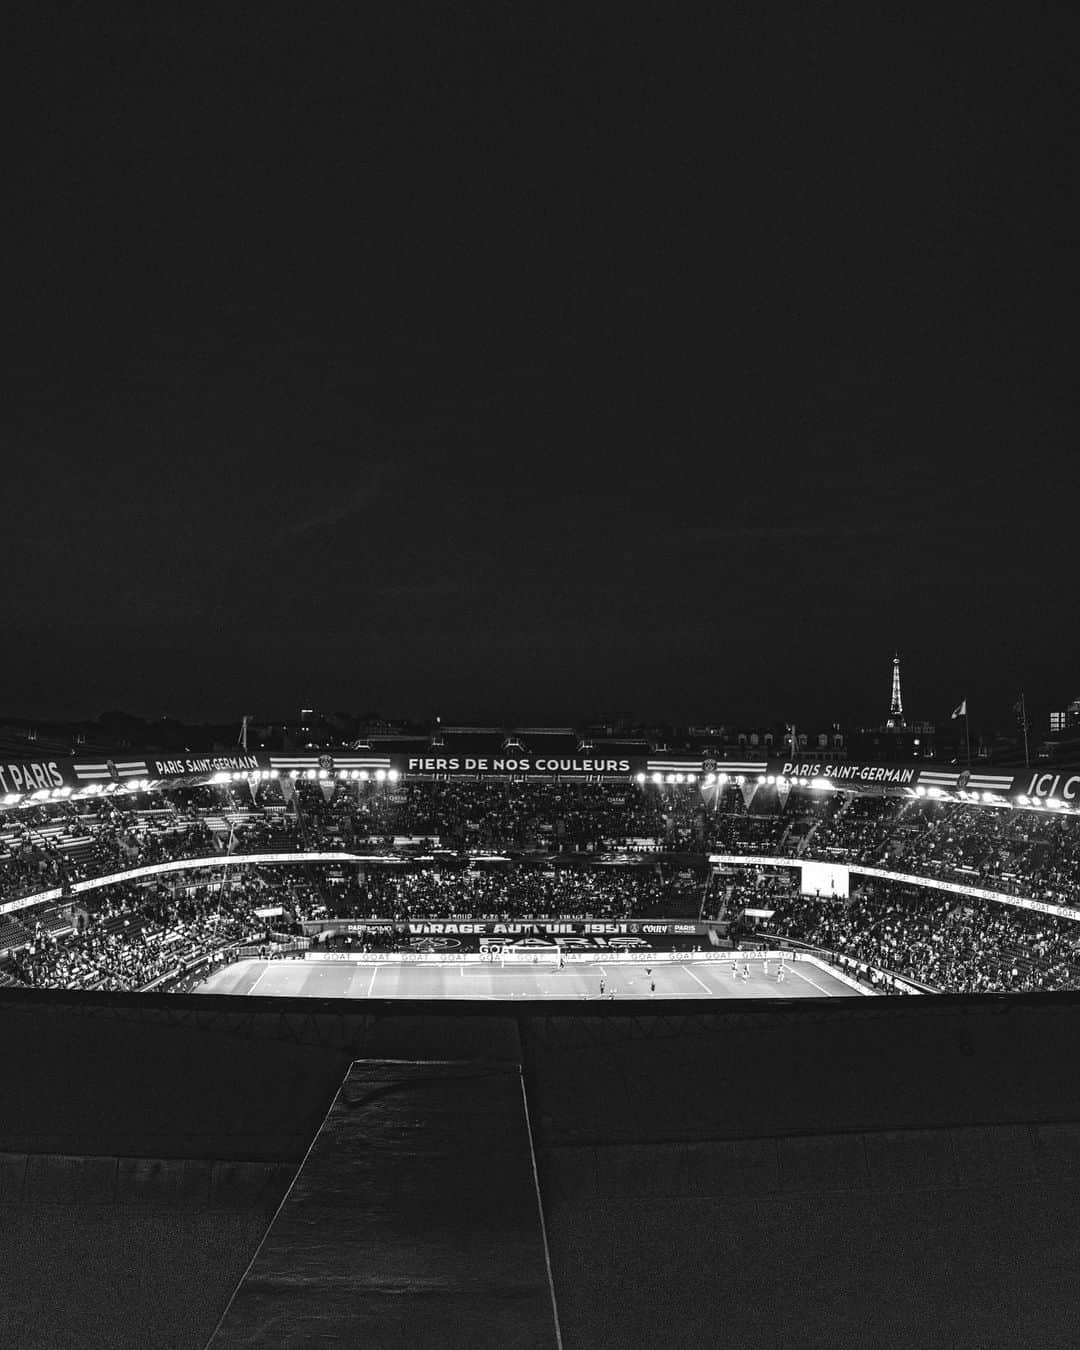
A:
684	1035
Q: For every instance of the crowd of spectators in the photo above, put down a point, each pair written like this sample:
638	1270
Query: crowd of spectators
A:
129	937
517	892
967	946
544	828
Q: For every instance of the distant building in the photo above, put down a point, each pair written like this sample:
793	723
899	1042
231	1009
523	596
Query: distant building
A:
1067	719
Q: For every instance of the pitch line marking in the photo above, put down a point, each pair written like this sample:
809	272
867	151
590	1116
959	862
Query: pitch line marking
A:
266	967
371	982
697	978
808	980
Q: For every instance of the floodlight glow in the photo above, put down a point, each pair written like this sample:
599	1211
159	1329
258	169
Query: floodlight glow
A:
658	777
309	774
343	773
934	792
393	775
363	775
709	778
821	785
10	798
220	778
1021	800
380	775
273	773
640	777
670	778
678	778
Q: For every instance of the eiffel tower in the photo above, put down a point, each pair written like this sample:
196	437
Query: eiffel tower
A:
896	711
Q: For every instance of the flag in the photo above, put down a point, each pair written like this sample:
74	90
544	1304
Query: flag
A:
961	711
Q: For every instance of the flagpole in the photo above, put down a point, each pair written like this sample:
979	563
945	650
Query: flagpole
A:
967	733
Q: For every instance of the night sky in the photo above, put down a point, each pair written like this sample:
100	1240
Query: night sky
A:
524	365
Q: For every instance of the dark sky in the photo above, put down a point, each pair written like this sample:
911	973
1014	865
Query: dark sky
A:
522	365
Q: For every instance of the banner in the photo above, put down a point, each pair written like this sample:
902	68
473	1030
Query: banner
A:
514	928
518	765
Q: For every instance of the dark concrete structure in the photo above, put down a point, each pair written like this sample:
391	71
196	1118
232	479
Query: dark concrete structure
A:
884	1172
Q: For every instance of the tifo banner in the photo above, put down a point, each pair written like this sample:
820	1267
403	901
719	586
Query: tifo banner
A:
431	764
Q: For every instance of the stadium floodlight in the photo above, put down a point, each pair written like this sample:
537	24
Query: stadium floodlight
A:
670	778
10	798
934	792
363	775
640	777
310	774
678	778
822	785
709	778
273	773
380	775
393	775
323	773
658	777
721	777
221	777
691	777
343	773
1021	800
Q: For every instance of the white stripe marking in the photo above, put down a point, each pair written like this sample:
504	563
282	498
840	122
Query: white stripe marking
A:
794	967
711	992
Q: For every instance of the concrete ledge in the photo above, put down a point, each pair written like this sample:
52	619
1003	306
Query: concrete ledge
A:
150	1183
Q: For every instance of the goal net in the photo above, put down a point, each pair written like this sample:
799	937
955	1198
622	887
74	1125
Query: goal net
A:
545	954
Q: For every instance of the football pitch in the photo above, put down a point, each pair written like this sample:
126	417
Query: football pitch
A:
490	981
